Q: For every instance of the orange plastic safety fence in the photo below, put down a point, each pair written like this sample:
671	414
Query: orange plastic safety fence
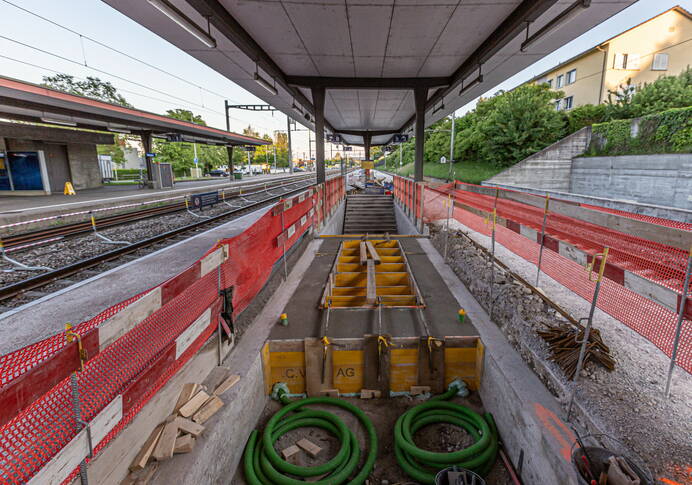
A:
131	369
643	283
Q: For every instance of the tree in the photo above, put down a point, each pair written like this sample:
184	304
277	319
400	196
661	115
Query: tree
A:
92	87
115	151
518	123
663	94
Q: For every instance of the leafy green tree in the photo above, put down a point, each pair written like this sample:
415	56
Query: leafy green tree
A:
115	151
518	123
92	87
665	93
585	115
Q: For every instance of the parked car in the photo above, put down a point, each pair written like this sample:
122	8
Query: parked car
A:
217	173
298	169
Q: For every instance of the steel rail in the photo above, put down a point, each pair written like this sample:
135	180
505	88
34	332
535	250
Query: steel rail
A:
68	230
14	289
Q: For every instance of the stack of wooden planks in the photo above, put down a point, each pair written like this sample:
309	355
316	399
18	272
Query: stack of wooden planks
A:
179	432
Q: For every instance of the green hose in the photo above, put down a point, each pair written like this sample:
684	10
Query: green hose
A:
264	466
422	465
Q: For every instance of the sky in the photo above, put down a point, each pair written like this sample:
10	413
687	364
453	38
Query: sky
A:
31	48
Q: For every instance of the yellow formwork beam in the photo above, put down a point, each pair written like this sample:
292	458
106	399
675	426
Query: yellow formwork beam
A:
462	361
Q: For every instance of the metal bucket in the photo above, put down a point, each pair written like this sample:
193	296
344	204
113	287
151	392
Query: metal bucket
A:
599	458
466	477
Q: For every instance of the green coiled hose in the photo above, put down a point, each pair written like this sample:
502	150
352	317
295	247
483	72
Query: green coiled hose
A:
422	465
264	466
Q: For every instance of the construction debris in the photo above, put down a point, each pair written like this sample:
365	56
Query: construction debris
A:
564	342
184	444
290	451
208	410
193	405
310	448
179	431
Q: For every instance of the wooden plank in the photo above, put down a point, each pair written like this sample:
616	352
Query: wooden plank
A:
310	448
209	409
431	365
217	375
363	253
166	443
190	427
376	367
191	333
144	454
314	351
193	405
371	297
126	319
212	260
230	381
186	393
373	252
184	444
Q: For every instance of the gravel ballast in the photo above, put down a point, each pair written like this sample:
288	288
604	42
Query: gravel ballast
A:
628	403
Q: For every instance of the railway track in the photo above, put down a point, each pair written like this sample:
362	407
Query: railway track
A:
34	238
39	281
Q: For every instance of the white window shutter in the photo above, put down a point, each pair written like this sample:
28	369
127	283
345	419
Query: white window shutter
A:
619	61
633	61
660	62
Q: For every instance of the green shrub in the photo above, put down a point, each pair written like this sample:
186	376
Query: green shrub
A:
666	132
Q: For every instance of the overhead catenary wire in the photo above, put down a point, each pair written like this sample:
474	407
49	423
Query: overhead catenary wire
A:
84	63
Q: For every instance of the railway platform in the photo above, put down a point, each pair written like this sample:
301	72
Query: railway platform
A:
19	209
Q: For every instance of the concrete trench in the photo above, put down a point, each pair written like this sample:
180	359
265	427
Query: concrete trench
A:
510	389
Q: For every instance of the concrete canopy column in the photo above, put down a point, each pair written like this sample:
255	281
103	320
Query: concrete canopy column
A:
421	97
148	145
318	102
367	140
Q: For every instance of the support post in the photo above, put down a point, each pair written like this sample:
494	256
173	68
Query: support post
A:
229	150
421	97
228	120
678	325
147	144
540	251
367	140
290	152
318	101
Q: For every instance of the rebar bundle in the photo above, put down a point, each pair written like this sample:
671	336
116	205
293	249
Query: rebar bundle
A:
564	342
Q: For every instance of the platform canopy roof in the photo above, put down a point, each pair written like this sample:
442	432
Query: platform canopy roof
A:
369	54
29	102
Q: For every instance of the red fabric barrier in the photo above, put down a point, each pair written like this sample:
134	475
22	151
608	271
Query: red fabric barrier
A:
37	420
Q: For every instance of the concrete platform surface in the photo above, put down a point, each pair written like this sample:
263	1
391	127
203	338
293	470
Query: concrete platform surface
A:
16	208
306	318
47	316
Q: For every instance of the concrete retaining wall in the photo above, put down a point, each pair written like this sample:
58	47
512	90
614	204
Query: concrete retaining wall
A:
548	169
664	180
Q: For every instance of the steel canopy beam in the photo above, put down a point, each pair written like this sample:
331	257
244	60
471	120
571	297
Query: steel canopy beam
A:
367	82
366	132
225	23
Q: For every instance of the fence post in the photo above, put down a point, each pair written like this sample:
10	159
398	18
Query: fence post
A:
678	325
491	304
71	336
585	340
540	251
283	239
449	210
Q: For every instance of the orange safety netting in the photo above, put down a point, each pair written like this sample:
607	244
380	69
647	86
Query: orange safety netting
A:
643	284
140	362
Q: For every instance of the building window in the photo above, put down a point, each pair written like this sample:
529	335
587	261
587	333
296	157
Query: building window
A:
626	61
660	62
571	76
567	103
557	104
560	81
620	61
549	82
